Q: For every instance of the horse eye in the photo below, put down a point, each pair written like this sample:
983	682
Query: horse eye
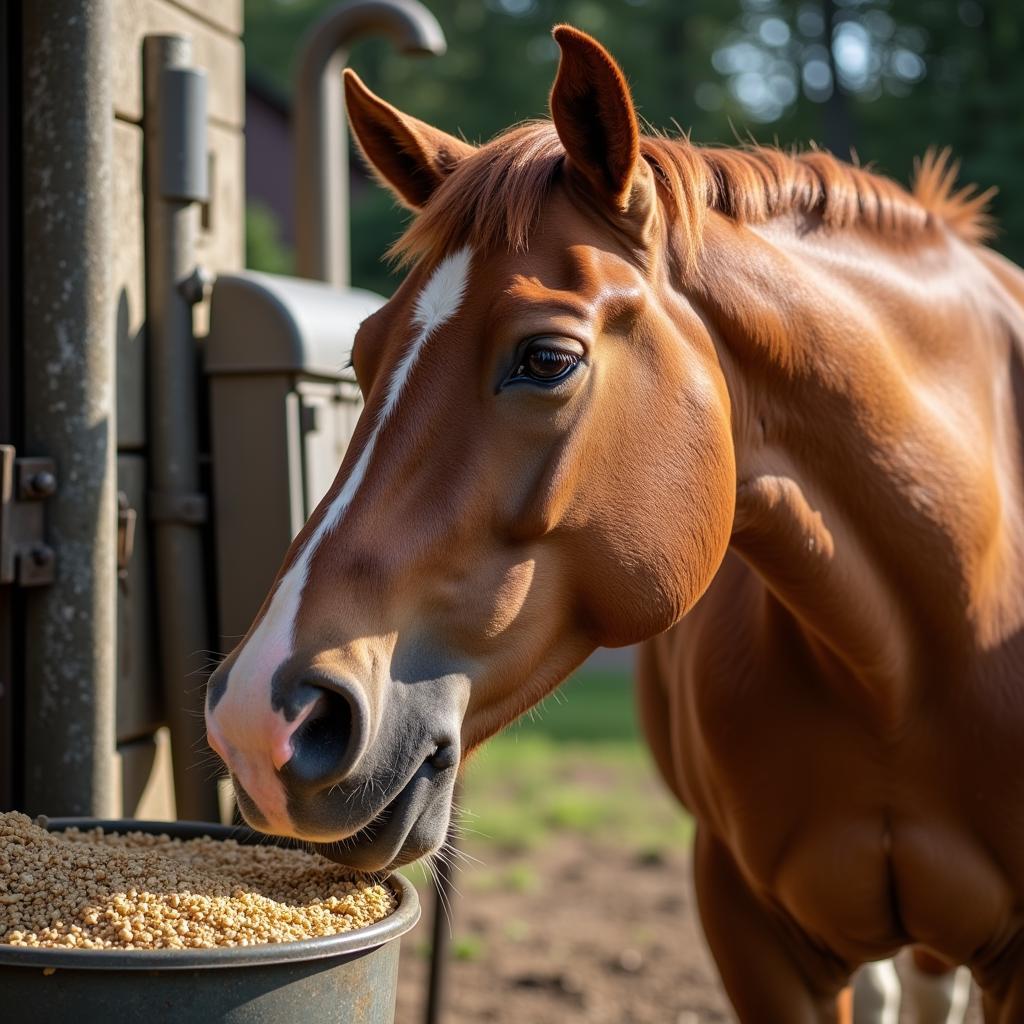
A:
546	364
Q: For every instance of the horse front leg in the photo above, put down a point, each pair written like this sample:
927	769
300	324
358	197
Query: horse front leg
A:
876	994
771	973
932	991
935	991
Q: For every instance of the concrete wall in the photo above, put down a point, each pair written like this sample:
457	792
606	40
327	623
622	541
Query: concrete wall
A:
215	27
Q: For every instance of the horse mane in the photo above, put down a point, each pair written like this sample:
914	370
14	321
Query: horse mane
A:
493	198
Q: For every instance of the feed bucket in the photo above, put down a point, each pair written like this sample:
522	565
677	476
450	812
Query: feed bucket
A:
349	978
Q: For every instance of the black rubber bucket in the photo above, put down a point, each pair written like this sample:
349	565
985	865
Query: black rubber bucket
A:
342	979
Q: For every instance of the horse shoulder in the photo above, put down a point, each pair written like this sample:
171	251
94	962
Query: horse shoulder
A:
676	691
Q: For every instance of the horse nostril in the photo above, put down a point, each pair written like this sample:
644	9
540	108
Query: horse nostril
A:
322	746
444	757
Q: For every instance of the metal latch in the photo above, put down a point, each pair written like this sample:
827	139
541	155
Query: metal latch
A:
126	520
309	418
25	557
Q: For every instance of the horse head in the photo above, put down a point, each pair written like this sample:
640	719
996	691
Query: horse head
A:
543	466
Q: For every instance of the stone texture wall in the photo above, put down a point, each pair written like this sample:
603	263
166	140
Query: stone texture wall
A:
215	28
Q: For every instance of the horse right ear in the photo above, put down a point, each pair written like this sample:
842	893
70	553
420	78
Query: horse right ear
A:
411	157
594	117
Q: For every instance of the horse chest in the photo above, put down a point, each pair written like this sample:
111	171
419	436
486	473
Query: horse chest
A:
867	844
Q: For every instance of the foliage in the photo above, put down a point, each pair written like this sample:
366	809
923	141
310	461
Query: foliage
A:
467	947
376	221
911	73
264	249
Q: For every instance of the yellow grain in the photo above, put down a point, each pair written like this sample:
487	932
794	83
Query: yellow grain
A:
133	890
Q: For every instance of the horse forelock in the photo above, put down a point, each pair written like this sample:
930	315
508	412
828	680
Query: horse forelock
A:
493	199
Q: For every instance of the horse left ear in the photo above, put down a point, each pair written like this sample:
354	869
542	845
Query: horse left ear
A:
412	158
595	119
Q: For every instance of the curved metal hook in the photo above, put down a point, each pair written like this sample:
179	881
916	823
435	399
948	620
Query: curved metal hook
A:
320	127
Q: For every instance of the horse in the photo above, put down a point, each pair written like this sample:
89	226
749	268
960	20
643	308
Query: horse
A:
761	412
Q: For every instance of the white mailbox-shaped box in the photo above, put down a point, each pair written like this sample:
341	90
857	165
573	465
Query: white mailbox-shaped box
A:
283	405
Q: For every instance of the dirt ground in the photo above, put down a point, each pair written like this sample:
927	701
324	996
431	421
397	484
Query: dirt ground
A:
597	936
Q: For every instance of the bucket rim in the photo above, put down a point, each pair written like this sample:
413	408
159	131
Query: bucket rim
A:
346	945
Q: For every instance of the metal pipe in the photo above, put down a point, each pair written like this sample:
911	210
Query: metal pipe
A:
175	178
441	925
320	128
69	405
440	935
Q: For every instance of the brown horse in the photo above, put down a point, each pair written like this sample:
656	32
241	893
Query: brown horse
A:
629	380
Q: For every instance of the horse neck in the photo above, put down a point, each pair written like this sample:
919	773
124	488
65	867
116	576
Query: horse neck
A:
877	462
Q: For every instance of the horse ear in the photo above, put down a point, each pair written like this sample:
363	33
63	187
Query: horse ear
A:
594	116
411	157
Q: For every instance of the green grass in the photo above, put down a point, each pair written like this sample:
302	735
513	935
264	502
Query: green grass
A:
516	930
577	765
518	878
467	947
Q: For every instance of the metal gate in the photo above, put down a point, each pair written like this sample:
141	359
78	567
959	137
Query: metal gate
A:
138	432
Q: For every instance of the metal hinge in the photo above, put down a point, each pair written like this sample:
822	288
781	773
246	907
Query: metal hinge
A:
25	557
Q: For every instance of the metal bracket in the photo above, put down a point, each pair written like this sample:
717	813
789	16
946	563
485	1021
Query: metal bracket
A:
126	520
25	557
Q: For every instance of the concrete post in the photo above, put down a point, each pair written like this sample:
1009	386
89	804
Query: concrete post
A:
70	634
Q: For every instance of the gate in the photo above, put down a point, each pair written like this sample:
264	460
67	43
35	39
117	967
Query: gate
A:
152	393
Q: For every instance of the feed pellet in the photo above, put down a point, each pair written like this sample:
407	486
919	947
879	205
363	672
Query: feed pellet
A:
96	890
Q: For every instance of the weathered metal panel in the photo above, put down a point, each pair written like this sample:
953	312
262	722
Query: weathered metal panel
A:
129	286
140	710
220	245
10	151
254	431
147	777
174	419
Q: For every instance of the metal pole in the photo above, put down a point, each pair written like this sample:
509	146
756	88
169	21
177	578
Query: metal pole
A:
439	943
321	133
440	928
70	626
175	180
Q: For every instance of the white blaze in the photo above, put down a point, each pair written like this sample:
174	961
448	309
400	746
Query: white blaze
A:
271	642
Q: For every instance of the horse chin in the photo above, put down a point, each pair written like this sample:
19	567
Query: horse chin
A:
412	825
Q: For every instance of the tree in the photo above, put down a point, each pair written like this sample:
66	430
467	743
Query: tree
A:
893	77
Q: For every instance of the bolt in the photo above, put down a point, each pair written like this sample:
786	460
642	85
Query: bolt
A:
41	555
196	286
42	484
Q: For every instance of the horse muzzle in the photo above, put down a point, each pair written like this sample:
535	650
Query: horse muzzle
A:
316	767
